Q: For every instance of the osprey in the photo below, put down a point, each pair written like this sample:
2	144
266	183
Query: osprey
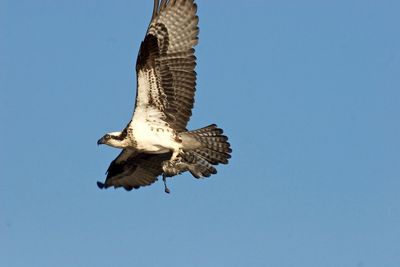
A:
156	142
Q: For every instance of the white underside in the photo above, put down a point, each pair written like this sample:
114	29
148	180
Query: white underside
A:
153	138
149	128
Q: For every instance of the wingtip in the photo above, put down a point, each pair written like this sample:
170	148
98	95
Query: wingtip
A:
100	185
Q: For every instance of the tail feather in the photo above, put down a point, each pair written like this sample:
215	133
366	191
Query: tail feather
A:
198	166
215	149
213	156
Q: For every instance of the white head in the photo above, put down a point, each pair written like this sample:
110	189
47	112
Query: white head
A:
115	139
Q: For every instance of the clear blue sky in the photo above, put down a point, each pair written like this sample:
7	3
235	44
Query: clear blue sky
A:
308	92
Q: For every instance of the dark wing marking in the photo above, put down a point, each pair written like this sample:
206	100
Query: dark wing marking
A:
166	62
132	170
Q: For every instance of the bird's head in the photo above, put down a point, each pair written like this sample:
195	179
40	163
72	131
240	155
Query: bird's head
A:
114	139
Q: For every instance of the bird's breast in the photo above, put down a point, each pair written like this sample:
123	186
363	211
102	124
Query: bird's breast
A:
154	138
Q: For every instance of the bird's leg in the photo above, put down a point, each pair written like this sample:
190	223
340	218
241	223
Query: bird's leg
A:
166	189
174	157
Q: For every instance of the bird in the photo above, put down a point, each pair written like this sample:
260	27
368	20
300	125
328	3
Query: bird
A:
156	140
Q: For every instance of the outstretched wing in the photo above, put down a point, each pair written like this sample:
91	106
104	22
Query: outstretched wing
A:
132	170
166	79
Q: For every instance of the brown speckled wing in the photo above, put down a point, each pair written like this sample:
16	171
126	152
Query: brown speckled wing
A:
166	62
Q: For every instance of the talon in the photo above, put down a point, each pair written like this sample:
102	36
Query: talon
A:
176	155
175	161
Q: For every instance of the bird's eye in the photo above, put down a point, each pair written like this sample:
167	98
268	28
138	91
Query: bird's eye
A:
108	136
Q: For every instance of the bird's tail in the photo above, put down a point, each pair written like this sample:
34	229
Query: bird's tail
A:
214	149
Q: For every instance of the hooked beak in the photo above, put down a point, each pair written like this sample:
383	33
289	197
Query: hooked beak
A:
101	141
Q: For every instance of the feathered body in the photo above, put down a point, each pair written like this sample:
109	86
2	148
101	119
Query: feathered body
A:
156	140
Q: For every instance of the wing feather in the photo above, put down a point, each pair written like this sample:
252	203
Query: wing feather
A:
132	170
166	62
